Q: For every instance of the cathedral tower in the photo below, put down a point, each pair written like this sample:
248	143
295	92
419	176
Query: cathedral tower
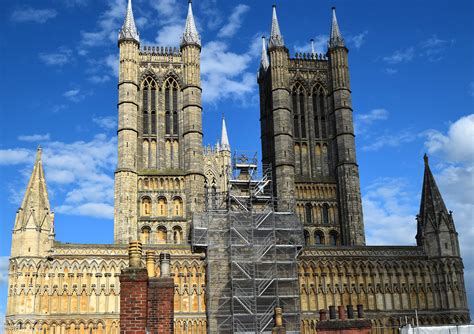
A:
347	170
125	216
308	137
33	233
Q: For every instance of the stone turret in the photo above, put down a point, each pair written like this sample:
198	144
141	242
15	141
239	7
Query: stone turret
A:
347	170
436	231
33	233
126	193
282	132
192	110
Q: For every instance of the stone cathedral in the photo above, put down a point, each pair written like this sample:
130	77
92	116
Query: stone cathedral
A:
165	179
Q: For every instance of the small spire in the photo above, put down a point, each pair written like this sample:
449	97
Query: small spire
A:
225	146
312	46
335	39
276	39
264	63
431	200
190	35
129	30
39	152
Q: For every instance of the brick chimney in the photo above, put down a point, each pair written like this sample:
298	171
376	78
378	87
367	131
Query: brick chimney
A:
146	301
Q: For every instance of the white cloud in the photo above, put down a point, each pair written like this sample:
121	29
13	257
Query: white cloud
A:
358	40
106	122
59	58
389	212
35	138
80	174
112	62
235	21
15	156
74	95
400	56
320	45
390	70
109	24
434	48
170	35
226	74
457	145
169	10
29	14
99	78
363	121
390	140
58	107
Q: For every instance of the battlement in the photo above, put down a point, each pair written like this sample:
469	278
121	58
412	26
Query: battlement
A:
311	60
160	53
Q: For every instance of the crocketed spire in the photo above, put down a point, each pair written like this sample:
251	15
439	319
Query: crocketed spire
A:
129	30
276	39
264	62
335	39
224	139
35	211
431	201
190	35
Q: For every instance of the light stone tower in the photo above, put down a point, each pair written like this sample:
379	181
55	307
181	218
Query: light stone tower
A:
347	170
192	110
126	192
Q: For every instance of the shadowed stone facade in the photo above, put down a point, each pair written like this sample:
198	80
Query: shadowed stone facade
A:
164	172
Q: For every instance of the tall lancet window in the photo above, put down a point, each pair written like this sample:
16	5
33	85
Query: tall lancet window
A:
319	111
149	106
299	111
171	107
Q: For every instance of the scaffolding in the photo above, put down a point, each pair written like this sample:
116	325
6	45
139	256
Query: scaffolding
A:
251	254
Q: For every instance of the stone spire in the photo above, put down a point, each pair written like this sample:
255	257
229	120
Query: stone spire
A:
264	63
224	139
190	35
431	201
335	39
35	210
276	39
129	30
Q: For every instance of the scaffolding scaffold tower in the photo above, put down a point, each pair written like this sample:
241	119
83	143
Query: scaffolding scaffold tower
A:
251	254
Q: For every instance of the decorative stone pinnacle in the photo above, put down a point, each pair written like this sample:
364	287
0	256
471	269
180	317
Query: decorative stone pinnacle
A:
335	39
129	30
276	38
425	159
312	46
264	62
190	35
39	152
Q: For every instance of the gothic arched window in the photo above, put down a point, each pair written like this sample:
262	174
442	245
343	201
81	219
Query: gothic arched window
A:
308	213
318	238
177	206
146	206
319	112
149	105
162	207
299	111
333	238
325	214
145	235
171	106
306	238
302	115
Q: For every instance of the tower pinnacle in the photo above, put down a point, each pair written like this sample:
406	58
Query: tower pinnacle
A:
264	63
312	46
129	30
224	138
431	201
190	35
335	39
276	39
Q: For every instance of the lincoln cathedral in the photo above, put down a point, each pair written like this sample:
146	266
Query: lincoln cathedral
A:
244	236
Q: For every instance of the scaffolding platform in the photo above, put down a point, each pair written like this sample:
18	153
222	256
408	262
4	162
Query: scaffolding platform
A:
251	254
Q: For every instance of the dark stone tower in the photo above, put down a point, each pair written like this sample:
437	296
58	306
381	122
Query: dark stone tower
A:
308	137
347	170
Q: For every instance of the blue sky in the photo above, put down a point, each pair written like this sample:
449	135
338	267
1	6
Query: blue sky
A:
412	79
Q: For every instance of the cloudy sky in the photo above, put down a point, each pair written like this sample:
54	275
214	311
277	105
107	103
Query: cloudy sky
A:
413	92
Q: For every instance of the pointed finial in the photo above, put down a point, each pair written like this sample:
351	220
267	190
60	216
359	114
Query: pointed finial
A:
129	30
335	39
224	138
39	152
276	39
425	159
264	62
190	34
312	46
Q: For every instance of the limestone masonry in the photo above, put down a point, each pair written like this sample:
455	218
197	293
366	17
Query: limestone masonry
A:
168	185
